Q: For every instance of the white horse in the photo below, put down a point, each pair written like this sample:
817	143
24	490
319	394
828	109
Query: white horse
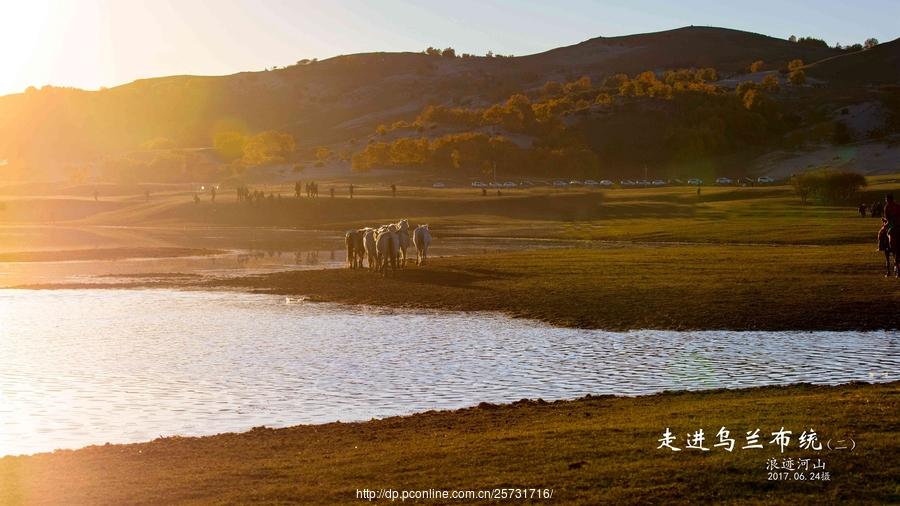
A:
386	245
403	236
421	239
355	253
369	247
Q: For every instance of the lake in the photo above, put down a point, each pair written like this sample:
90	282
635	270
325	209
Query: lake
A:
80	367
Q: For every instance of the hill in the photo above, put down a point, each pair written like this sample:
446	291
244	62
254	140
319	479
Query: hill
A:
878	65
726	50
46	131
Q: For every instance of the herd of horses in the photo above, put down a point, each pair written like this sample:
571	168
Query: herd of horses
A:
385	247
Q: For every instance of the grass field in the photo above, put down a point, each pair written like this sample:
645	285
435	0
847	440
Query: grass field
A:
600	450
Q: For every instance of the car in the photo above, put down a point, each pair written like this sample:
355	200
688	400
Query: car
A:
676	181
478	184
560	183
643	182
606	182
765	180
438	185
575	183
695	181
510	184
590	182
626	182
658	182
724	180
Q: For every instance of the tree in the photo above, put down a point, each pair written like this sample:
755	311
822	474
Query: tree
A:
583	83
552	89
707	74
828	185
812	42
229	145
795	64
270	146
792	38
615	81
797	77
324	154
753	99
870	43
448	52
770	83
756	66
745	86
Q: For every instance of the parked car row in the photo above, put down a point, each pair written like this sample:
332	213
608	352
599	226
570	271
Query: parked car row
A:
745	180
628	183
625	183
508	184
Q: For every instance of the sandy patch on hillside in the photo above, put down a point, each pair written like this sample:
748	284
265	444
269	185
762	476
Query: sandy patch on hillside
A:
864	157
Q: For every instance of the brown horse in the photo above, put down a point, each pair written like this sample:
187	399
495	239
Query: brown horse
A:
889	242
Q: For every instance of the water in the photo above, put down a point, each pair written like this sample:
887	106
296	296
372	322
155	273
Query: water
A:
81	367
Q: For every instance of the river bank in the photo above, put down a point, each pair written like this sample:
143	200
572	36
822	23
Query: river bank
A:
594	450
678	287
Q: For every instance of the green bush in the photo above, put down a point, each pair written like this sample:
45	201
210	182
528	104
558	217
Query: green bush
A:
827	185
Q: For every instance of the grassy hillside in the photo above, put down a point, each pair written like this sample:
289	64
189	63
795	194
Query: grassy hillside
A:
878	65
730	51
44	132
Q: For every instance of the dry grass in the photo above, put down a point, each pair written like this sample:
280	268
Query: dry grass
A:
599	450
632	286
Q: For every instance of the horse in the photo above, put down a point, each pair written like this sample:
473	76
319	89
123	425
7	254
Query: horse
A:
421	239
889	242
386	244
354	242
369	247
403	235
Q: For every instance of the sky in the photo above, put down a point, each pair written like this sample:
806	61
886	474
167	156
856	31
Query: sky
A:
93	43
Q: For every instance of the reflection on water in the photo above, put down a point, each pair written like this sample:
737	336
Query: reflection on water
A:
81	367
248	251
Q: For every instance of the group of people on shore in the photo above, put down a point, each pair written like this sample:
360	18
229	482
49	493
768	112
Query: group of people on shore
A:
245	194
311	188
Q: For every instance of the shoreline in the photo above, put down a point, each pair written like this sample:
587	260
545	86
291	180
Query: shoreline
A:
689	288
591	449
224	286
469	407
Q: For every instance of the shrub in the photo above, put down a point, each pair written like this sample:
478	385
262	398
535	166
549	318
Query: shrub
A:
827	185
